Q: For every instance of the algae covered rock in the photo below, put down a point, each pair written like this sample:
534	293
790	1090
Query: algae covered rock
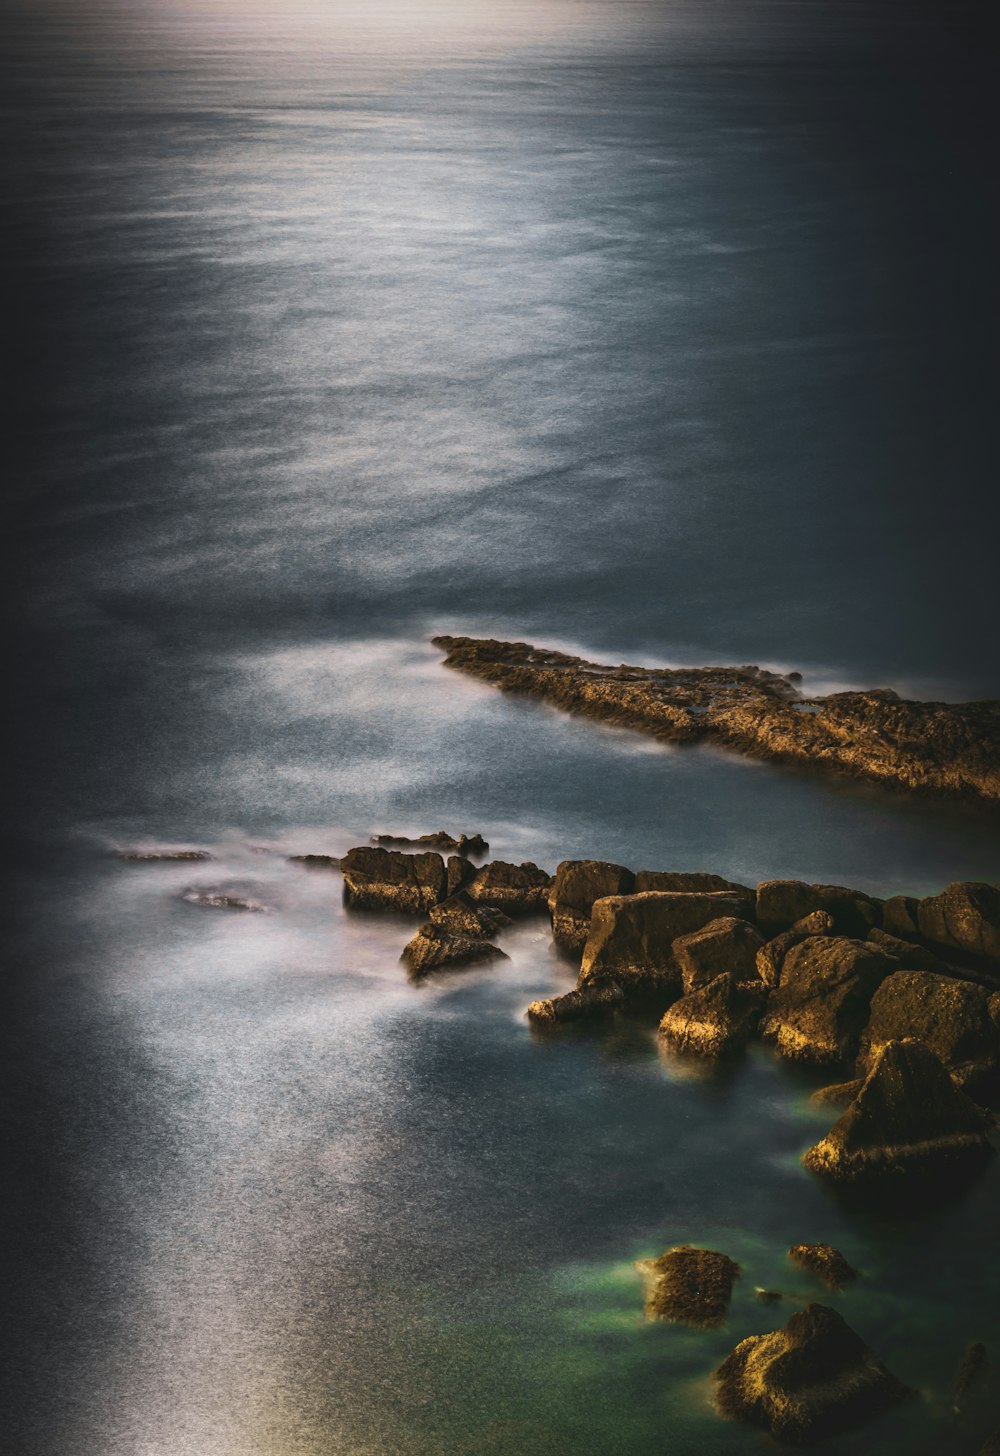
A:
908	1118
693	1286
576	885
515	889
632	936
819	1010
433	947
780	903
771	956
811	1379
825	1262
724	946
461	915
386	879
714	1021
593	1003
965	917
951	1017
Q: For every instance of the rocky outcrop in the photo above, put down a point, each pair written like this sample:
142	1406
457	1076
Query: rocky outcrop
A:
433	947
825	1262
819	1010
385	879
713	1021
942	748
515	889
964	917
458	872
461	915
692	1286
781	903
595	1002
163	856
771	957
811	1379
687	882
951	1017
440	839
908	1118
576	885
722	947
631	936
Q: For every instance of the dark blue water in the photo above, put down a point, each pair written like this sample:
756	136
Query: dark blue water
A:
659	331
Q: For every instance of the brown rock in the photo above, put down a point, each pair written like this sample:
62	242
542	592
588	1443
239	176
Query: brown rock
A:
385	879
819	1010
825	1262
899	917
165	856
909	1117
440	839
315	861
515	889
771	957
780	903
965	917
458	872
575	887
908	956
724	946
433	947
838	1094
687	882
595	1002
460	915
809	1380
631	936
693	1287
714	1021
951	1017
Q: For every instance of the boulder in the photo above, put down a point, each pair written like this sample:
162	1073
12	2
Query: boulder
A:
724	946
687	882
433	947
594	1003
818	1012
964	917
440	839
909	1117
385	879
713	1021
771	957
899	916
693	1287
460	915
825	1262
515	889
458	872
908	956
951	1017
780	903
632	936
575	887
812	1378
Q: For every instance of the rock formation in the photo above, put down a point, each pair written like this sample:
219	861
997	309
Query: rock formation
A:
440	839
821	1006
631	936
771	957
726	946
949	1016
825	1262
433	947
385	879
693	1286
782	903
576	885
713	1021
515	889
459	914
595	1002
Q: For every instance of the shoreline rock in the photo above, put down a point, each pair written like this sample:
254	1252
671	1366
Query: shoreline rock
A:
434	947
714	1021
631	936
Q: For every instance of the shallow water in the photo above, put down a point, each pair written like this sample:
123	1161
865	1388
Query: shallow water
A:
593	325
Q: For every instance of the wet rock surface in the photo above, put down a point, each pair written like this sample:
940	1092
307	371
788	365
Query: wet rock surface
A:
726	946
515	889
811	1379
942	748
459	914
825	1262
631	936
820	1008
433	947
577	883
950	1017
386	879
692	1286
593	1003
714	1021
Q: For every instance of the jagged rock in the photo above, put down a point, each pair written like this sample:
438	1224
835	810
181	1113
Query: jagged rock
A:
771	957
819	1010
909	957
722	946
631	936
838	1094
909	1117
970	1370
515	889
433	947
575	887
315	861
593	1003
825	1262
713	1021
809	1380
165	856
458	872
440	839
460	915
965	917
688	882
693	1286
951	1017
780	903
385	879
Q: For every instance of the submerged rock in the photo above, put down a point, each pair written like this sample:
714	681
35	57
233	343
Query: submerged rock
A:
821	1006
693	1286
315	861
827	1263
385	879
768	1296
632	936
223	900
440	839
781	903
433	947
165	856
515	889
908	1118
724	946
576	885
595	1002
951	1017
771	957
459	914
812	1378
714	1021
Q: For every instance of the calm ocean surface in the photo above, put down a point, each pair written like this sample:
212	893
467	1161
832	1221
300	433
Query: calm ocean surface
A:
658	331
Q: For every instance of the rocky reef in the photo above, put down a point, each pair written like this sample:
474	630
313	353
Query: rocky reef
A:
940	748
692	1286
826	1263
